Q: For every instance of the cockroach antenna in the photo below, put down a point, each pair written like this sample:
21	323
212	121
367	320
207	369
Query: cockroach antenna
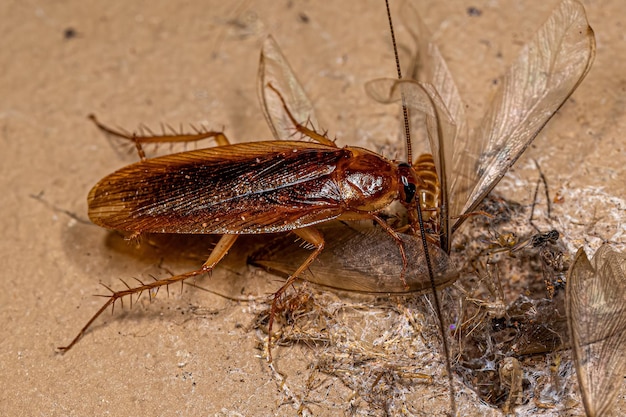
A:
420	218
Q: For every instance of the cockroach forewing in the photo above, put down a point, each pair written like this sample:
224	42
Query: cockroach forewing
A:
549	68
360	258
275	70
217	190
596	317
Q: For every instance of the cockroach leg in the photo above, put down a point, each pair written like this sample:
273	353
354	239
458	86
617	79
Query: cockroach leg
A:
218	253
298	126
396	237
314	237
200	134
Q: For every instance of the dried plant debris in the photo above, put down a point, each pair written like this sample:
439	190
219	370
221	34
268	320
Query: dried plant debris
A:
385	351
596	317
506	304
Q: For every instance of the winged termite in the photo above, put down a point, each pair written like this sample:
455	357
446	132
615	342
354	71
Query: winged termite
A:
547	71
596	318
551	258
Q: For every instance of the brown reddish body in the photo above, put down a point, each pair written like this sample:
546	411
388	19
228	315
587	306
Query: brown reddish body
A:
250	188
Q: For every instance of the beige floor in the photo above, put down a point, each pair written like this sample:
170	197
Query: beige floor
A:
195	62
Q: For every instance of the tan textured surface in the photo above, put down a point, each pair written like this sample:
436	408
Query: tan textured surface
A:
193	62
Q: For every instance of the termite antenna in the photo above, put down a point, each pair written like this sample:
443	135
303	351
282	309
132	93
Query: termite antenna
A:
420	219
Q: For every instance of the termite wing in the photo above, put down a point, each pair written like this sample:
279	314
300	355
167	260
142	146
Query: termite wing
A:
468	164
596	318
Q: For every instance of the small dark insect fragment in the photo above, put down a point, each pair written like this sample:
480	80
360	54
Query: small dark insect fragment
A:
474	11
70	33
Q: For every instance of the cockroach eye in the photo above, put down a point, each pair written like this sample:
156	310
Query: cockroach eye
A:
409	189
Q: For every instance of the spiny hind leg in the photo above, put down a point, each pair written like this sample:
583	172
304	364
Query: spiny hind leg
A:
173	137
220	250
314	237
298	126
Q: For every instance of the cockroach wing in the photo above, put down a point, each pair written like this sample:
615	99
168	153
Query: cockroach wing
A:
275	70
359	258
547	71
247	188
596	317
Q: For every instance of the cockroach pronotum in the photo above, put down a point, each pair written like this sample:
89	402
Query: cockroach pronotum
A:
287	185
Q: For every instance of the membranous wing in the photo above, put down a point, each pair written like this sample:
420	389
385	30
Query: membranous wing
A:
549	68
596	317
358	257
547	71
274	70
423	100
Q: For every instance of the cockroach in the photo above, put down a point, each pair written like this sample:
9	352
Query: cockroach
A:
252	188
596	318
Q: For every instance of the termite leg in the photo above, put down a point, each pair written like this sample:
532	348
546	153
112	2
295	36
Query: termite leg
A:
299	127
139	140
314	237
220	250
541	179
